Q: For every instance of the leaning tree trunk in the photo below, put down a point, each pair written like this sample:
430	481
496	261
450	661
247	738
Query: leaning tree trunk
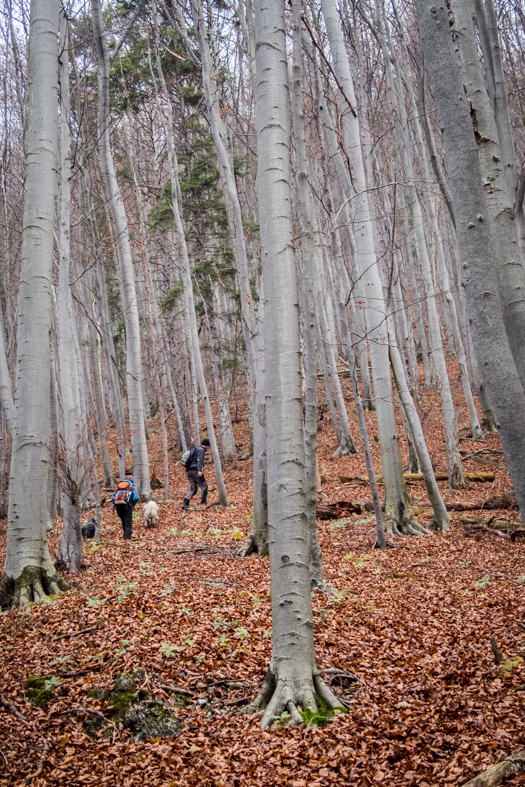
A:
289	681
500	213
257	541
211	96
29	571
356	290
489	337
176	204
346	444
130	304
443	276
441	520
397	514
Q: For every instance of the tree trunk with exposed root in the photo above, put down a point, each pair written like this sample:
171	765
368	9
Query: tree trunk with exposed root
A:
292	680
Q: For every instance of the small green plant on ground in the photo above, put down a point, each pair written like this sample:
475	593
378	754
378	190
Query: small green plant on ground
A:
483	582
95	601
340	523
169	651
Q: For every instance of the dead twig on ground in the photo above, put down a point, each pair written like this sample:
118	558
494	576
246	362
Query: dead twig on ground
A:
11	708
40	765
217	581
76	633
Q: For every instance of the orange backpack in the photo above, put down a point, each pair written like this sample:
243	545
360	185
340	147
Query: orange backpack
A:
123	493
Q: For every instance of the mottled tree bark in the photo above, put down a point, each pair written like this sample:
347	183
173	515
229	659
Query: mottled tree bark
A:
485	316
134	372
29	571
292	678
397	515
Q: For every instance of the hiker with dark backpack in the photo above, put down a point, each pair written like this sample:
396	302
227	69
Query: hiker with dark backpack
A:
192	461
124	499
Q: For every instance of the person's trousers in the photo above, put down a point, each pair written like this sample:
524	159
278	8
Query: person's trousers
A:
196	480
126	516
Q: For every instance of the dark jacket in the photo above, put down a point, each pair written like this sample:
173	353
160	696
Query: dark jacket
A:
198	459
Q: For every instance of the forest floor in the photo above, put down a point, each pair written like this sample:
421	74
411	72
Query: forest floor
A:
411	623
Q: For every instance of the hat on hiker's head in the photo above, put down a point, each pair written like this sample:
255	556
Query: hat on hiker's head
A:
205	441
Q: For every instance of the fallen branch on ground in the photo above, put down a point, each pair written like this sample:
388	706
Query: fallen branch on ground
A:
76	633
175	690
471	528
336	510
498	773
40	765
363	479
217	581
11	708
481	451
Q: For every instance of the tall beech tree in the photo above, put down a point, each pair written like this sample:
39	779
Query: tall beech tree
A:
29	571
485	313
397	514
125	260
292	678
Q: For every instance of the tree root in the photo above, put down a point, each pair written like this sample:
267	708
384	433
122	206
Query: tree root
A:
279	695
345	448
403	525
254	545
33	585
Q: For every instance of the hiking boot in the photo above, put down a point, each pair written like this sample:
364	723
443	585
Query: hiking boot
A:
184	506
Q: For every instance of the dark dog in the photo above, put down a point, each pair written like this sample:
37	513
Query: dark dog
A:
88	530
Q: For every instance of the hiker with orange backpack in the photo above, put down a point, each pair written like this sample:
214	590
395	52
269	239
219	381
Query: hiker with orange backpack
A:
124	498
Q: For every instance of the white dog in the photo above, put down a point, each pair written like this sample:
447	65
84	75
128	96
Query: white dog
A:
150	512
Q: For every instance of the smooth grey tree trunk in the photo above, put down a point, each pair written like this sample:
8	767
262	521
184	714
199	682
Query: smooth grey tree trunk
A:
397	516
487	21
309	343
114	396
363	431
455	470
344	436
141	474
153	329
489	337
444	279
357	294
227	440
258	540
6	394
195	352
289	681
479	386
52	476
29	571
218	130
500	213
74	429
441	520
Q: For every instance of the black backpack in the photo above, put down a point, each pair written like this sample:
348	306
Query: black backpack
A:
187	458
